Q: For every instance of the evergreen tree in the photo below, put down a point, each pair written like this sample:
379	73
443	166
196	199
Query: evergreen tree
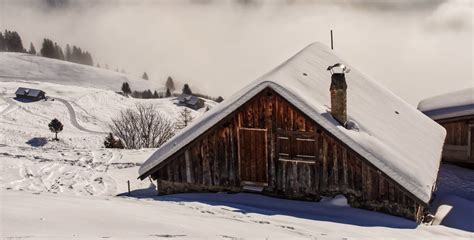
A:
47	49
219	99
58	52
185	118
55	126
126	88
155	94
145	76
13	42
168	93
32	50
2	43
68	53
170	84
187	89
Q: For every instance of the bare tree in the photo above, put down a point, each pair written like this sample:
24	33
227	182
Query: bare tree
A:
185	118
142	127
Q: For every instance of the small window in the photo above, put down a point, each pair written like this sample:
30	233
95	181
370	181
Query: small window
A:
298	146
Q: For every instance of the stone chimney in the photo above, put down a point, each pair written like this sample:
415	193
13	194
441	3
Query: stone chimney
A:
339	94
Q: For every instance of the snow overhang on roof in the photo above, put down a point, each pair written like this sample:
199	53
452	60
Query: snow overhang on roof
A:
449	105
394	136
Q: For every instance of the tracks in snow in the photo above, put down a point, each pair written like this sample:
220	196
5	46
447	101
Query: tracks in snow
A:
73	117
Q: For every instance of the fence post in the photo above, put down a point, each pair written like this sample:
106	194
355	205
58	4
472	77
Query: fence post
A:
128	183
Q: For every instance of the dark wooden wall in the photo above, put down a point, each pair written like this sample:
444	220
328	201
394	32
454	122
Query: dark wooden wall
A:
303	161
459	143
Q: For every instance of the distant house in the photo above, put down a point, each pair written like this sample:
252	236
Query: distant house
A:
303	132
190	101
455	112
29	93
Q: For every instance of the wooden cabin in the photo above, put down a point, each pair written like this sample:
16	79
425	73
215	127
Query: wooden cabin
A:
190	101
302	132
455	112
30	94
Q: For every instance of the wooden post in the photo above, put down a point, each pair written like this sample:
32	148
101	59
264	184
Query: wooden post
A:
332	43
128	183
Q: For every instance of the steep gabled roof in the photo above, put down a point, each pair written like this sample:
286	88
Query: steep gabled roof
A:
449	105
394	136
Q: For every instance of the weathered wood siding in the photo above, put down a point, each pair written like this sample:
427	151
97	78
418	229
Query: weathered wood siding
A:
302	161
459	143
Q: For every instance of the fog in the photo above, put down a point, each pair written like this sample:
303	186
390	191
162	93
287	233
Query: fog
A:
415	48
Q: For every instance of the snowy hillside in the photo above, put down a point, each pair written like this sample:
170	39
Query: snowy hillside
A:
27	67
75	188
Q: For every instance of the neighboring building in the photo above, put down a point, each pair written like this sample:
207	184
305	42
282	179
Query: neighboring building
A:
455	112
190	101
29	93
279	136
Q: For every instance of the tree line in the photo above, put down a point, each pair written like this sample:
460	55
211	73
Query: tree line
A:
10	41
147	94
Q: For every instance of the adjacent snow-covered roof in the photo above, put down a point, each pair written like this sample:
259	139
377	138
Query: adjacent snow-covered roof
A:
394	136
449	105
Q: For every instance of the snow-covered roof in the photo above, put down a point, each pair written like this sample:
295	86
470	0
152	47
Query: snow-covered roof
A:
28	92
394	136
454	104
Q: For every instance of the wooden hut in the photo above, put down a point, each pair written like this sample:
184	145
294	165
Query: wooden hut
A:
30	94
280	136
455	112
190	101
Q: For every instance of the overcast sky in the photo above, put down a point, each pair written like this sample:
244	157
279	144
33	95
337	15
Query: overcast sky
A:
415	48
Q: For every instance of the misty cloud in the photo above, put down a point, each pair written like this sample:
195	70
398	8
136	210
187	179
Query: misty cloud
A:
415	48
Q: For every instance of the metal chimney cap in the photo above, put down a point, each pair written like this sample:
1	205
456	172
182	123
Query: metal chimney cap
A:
338	65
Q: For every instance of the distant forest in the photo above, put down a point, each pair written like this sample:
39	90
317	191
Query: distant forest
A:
10	41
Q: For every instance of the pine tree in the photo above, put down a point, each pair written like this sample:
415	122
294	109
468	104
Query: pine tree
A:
32	50
145	76
13	42
68	53
168	93
185	118
126	88
2	43
187	89
47	49
170	84
155	94
58	52
55	126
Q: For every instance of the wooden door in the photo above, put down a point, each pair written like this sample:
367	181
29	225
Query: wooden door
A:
253	155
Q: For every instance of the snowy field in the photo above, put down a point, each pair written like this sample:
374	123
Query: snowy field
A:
75	188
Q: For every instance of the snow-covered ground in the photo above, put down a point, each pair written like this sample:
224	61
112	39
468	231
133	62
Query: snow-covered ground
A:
75	188
26	67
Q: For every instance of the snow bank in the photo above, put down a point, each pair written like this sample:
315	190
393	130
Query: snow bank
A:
449	105
394	136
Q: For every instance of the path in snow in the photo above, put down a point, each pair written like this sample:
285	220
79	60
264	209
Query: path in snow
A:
73	117
10	103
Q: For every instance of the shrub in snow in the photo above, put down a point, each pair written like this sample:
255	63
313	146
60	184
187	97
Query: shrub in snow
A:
55	126
142	127
112	142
